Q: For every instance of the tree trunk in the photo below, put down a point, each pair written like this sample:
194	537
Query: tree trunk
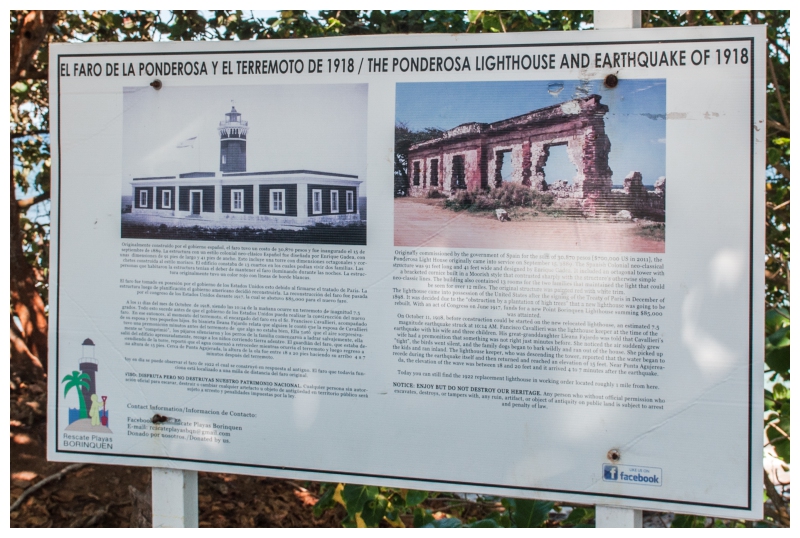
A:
26	303
32	30
28	338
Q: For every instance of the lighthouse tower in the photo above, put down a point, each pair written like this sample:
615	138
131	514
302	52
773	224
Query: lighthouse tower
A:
88	366
233	143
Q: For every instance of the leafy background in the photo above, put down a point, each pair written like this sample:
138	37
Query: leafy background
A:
29	202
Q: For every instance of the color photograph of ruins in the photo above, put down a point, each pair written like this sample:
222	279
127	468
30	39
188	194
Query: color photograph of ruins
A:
539	165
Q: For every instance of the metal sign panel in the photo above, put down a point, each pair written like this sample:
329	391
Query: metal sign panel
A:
436	262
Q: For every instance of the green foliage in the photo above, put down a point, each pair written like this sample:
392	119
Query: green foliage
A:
517	513
462	199
529	514
511	195
349	234
580	517
507	196
652	230
325	501
498	21
404	138
37	252
415	497
484	524
356	496
777	401
374	510
369	506
683	521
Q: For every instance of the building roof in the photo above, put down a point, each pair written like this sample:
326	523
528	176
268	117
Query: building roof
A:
197	174
193	175
287	172
556	112
151	178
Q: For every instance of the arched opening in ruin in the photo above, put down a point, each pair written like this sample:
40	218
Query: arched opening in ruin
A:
558	166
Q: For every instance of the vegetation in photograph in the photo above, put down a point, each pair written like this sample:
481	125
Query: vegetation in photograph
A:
324	234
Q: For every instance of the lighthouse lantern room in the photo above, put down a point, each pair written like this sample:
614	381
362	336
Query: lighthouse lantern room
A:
233	142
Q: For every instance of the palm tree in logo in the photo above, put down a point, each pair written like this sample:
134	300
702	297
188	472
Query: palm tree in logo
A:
78	380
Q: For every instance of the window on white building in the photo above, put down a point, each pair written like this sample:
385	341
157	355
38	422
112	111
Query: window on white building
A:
223	159
334	201
349	199
166	199
143	198
237	200
277	197
316	201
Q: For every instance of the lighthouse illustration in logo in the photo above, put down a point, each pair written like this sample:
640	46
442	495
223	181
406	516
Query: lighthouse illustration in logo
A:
91	415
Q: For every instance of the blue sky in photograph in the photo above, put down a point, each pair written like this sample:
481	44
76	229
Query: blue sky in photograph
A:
635	123
174	130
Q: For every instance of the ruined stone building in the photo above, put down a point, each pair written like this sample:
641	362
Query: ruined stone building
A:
476	155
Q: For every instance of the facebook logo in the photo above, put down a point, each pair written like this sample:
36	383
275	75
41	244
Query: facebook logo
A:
632	474
610	472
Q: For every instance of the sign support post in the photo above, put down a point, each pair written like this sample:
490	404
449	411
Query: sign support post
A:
174	498
611	516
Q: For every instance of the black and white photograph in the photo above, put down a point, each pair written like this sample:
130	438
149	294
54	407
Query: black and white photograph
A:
272	163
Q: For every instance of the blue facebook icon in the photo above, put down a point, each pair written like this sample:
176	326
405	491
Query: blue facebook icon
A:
610	472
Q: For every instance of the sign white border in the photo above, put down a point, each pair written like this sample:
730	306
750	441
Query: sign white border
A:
753	37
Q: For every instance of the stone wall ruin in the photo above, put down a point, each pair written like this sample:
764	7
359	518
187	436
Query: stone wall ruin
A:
474	156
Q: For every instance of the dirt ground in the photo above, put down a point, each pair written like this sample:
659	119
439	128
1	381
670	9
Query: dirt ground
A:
420	222
99	495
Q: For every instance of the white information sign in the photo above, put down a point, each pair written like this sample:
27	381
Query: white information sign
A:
434	262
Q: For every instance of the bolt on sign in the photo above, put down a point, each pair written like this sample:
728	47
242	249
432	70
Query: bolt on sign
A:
434	262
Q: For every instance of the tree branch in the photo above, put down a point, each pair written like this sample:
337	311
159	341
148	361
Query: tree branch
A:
19	350
778	93
777	126
33	74
782	170
775	277
31	31
779	430
779	206
663	21
777	500
27	203
27	304
777	45
41	483
17	136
